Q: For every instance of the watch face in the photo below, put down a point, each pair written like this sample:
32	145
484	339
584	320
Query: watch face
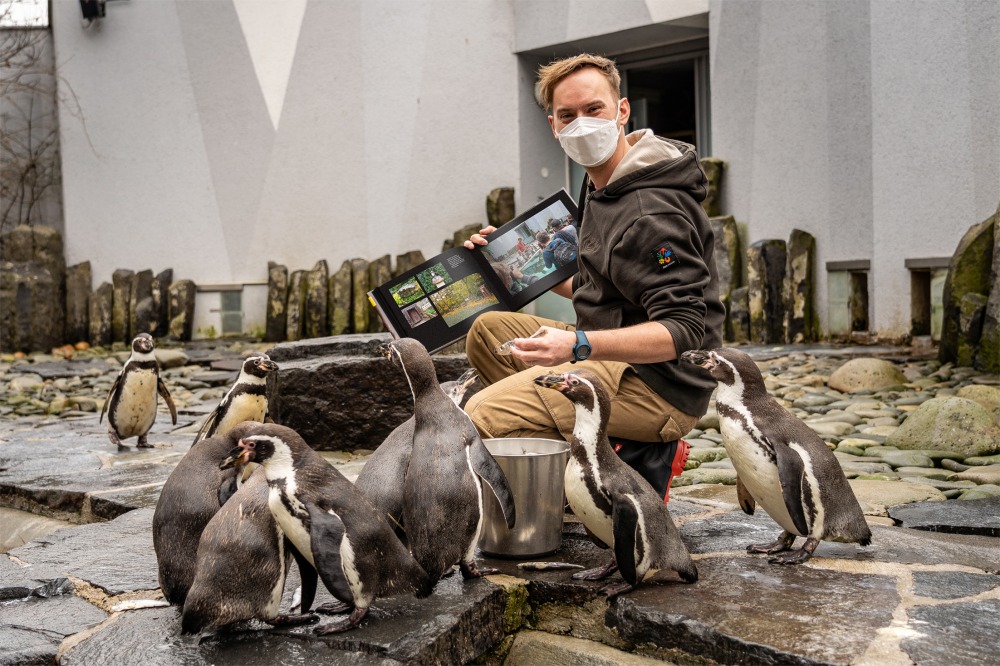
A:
582	351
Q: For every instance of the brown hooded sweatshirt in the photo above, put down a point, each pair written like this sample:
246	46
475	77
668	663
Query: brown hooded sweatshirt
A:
647	254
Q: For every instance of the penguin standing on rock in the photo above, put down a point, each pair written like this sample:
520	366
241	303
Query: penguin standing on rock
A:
381	479
241	566
131	402
192	494
611	499
329	523
780	462
245	401
442	486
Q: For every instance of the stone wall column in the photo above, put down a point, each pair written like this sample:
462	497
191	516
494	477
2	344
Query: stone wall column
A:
277	299
78	288
182	295
339	307
100	315
765	281
800	319
121	280
315	324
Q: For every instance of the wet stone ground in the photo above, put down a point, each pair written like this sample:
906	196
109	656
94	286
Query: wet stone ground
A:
78	582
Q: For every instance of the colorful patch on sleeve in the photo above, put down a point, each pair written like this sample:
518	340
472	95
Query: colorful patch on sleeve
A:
664	256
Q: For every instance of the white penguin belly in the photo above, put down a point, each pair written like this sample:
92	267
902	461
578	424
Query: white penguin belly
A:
136	409
757	473
245	407
291	526
582	503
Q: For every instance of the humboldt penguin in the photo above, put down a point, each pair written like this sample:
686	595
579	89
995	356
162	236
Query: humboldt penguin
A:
245	401
192	494
131	402
241	565
381	479
611	499
442	486
329	523
781	463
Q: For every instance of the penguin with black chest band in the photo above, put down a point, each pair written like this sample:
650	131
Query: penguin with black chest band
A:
245	401
192	494
443	483
242	564
131	402
381	479
611	499
329	523
781	463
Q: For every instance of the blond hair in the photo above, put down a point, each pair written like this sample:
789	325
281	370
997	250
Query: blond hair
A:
551	74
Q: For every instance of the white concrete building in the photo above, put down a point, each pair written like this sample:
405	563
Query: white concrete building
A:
215	135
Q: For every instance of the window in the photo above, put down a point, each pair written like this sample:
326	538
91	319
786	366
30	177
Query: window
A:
24	13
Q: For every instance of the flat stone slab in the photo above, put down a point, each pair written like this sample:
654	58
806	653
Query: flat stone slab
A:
32	630
955	634
981	516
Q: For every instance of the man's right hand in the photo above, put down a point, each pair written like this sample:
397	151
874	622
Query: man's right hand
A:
480	238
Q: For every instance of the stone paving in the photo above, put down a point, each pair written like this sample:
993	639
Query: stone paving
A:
927	591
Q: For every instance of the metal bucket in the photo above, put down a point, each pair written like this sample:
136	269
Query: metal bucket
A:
534	469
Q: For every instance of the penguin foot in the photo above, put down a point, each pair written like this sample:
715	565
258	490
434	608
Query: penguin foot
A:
470	570
344	625
293	620
599	573
797	556
333	608
117	442
783	542
143	444
615	589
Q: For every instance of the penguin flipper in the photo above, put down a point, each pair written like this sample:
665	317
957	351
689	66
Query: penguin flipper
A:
111	392
746	500
307	574
162	388
207	427
228	488
792	473
489	471
327	529
625	521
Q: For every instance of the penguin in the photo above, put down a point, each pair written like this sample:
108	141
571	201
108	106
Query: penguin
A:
245	401
442	485
780	462
329	523
241	566
381	479
611	499
131	402
192	494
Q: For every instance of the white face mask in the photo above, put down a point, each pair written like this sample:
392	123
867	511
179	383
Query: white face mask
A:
590	141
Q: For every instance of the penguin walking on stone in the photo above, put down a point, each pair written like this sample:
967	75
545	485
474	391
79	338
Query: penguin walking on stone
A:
131	402
611	499
381	479
241	565
781	463
329	523
191	496
245	401
443	483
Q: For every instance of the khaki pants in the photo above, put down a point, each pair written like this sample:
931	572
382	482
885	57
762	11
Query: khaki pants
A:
512	405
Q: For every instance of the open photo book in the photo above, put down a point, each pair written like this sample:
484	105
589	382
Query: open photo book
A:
437	301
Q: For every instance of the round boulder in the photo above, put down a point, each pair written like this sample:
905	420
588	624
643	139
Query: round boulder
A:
865	374
987	396
949	424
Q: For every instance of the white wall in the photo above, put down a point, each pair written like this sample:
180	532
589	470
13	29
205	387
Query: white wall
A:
396	120
872	125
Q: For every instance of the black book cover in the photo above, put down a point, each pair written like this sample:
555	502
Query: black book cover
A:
437	301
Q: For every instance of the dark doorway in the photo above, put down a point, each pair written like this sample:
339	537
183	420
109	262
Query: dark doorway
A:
663	99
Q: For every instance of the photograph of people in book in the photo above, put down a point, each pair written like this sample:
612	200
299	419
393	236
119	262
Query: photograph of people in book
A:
406	293
419	312
533	249
461	300
434	278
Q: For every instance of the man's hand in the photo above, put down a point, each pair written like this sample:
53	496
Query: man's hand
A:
546	347
480	238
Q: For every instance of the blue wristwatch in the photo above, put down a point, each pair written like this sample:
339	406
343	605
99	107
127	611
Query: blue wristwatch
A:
582	348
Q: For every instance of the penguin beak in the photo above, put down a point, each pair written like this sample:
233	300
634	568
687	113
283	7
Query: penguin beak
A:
700	358
556	382
267	365
468	378
238	456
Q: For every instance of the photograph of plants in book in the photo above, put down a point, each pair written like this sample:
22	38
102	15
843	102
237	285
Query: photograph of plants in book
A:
459	301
